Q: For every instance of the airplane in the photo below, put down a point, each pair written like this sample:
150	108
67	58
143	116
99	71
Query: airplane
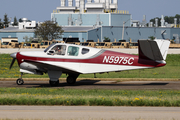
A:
74	60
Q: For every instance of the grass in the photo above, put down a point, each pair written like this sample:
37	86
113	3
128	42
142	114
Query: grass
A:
171	70
95	97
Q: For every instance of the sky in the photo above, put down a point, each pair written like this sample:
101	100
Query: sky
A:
40	10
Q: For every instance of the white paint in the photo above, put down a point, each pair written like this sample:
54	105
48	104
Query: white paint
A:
163	46
87	68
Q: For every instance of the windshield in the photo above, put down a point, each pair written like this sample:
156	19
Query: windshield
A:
84	44
116	44
5	43
100	44
49	47
27	44
134	44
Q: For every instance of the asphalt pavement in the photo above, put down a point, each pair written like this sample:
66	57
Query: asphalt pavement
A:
98	84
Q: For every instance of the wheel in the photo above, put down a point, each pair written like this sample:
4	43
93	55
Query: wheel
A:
71	80
19	81
54	83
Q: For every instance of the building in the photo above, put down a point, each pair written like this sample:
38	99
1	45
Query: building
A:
101	18
25	29
94	20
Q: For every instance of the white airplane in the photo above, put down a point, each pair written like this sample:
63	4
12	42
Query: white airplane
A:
75	60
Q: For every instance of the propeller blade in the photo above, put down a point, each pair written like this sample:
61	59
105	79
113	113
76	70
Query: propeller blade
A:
13	55
12	63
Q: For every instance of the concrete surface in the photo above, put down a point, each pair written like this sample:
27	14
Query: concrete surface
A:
90	113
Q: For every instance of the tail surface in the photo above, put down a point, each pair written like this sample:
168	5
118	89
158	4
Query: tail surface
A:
155	50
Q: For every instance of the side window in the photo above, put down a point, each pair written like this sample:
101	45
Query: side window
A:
84	51
73	51
59	50
46	43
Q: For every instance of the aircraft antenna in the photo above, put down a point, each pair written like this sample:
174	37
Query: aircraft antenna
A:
66	38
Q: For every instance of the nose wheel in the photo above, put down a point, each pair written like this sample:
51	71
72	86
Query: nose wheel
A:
20	81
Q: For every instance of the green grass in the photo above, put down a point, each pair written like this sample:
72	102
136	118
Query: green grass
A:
171	70
95	97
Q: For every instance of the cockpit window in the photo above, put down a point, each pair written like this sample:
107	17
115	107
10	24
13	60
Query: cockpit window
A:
48	47
73	51
59	50
84	51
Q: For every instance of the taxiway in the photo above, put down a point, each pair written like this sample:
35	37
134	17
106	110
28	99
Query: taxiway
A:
98	84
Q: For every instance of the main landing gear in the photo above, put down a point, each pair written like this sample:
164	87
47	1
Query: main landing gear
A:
71	79
20	81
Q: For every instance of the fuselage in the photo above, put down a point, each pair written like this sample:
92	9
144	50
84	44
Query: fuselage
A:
87	60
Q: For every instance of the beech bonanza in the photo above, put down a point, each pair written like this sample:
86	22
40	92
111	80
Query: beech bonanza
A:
75	60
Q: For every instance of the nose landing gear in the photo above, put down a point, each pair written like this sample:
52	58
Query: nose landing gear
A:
20	81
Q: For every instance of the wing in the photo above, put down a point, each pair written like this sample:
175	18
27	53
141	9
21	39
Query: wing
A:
46	67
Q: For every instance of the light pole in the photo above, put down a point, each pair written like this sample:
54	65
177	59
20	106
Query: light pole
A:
123	28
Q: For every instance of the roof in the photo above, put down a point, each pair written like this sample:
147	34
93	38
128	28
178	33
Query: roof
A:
66	29
16	29
76	29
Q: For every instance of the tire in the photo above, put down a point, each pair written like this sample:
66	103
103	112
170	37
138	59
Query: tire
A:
54	83
19	81
71	80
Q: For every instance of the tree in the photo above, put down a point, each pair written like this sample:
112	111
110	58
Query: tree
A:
153	20
107	39
49	31
20	20
6	21
26	39
15	22
1	24
168	19
151	37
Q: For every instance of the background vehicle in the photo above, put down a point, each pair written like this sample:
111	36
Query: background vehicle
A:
89	43
120	44
174	45
133	45
11	44
44	44
35	44
103	44
25	45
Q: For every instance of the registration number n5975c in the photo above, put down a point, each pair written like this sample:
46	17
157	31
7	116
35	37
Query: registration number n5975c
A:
118	60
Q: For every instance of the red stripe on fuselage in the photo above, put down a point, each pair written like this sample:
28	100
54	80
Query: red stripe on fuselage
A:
108	57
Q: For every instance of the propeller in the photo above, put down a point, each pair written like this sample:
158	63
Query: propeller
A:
13	55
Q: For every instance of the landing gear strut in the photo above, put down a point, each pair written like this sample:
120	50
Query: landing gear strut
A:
20	81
